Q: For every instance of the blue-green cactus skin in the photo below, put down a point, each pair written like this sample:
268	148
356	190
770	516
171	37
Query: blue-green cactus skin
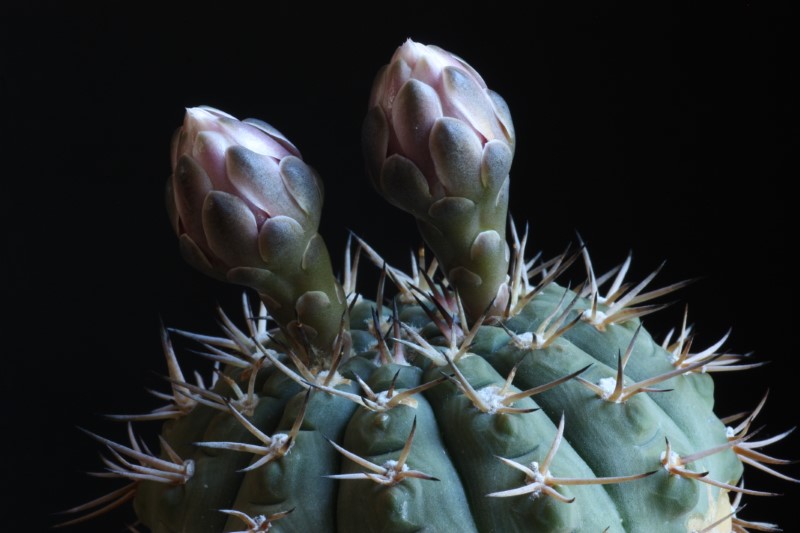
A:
458	444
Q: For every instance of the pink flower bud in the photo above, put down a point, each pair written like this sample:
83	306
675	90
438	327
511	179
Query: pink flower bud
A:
230	177
431	102
439	144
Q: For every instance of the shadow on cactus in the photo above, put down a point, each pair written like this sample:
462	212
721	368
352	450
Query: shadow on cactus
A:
477	394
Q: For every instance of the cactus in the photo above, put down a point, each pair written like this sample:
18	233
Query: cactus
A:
480	394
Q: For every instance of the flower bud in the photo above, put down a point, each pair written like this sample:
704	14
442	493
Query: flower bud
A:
246	209
427	102
439	144
229	178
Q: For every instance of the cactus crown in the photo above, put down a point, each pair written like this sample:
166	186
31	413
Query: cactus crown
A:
481	396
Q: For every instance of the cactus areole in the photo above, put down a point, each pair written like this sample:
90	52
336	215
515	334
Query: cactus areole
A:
474	393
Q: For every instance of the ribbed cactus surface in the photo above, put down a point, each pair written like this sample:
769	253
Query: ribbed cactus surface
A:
470	427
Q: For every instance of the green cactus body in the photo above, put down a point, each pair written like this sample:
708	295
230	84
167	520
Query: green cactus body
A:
458	444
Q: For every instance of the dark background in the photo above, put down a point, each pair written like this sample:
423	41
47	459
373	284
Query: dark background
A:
668	130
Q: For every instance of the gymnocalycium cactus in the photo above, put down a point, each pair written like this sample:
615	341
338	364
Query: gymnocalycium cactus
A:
481	397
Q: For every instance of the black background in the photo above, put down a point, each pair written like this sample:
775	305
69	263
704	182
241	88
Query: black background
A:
669	130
